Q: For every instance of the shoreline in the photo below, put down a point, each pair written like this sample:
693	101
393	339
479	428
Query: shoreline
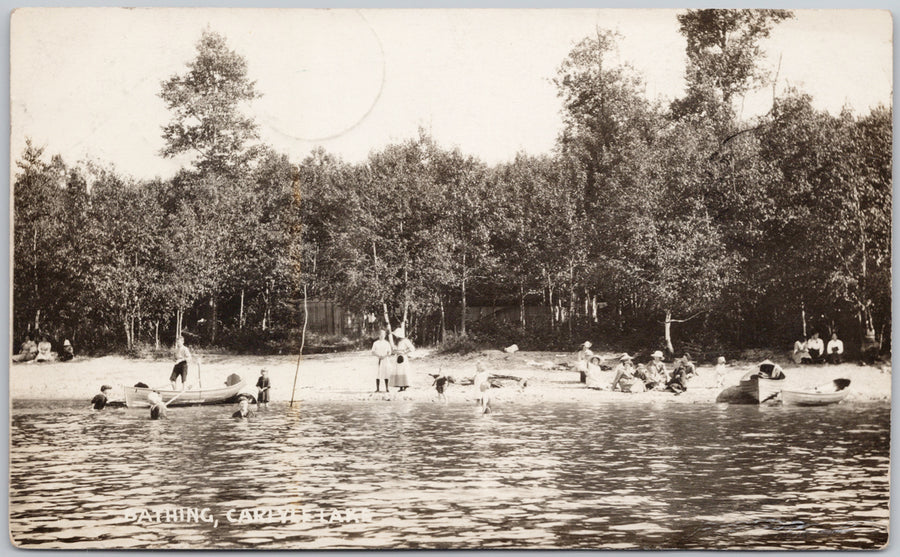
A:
350	376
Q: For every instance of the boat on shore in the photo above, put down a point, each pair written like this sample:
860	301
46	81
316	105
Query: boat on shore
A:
137	397
761	389
829	393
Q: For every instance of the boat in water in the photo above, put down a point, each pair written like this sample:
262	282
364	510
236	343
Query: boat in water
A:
765	383
829	393
137	397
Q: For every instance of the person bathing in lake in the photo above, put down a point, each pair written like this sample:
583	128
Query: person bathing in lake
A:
382	349
157	406
263	384
440	384
99	401
182	356
403	349
243	410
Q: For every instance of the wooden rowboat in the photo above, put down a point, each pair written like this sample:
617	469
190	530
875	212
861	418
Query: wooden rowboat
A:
136	397
759	388
830	393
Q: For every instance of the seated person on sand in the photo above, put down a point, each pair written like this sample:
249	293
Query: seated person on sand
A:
644	373
770	370
800	354
67	352
625	379
657	368
816	348
581	360
27	352
684	370
593	377
44	351
835	349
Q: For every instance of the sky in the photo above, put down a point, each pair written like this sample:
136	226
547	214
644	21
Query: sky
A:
84	82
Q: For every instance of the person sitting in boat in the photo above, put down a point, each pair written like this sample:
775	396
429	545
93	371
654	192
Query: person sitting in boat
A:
157	406
835	349
99	401
625	379
263	384
581	360
182	356
27	352
800	354
770	370
816	348
593	378
67	352
244	410
44	351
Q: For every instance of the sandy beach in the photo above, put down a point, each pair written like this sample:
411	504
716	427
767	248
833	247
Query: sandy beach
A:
350	376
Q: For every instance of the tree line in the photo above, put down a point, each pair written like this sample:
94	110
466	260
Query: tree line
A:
654	225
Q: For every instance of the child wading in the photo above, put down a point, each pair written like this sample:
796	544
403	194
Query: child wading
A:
100	400
263	384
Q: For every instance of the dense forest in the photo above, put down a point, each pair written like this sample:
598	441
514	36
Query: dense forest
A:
677	225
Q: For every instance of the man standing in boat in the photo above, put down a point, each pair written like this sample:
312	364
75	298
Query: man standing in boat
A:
182	357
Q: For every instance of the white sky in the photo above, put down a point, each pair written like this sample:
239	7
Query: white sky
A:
85	82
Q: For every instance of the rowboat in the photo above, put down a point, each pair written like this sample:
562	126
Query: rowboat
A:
136	397
829	393
759	388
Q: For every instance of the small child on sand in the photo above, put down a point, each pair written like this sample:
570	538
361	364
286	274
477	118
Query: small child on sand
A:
720	372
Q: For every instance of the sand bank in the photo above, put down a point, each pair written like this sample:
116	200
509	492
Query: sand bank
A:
351	376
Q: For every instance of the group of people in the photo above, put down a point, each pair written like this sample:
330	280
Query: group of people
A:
31	351
813	350
393	360
631	378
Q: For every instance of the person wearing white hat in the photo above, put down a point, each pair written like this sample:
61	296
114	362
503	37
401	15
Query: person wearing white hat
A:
657	370
581	359
67	352
403	349
625	379
382	349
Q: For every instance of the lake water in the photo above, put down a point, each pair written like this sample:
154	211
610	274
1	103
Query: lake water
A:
413	475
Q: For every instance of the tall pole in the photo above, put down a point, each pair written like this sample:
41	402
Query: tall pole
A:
302	343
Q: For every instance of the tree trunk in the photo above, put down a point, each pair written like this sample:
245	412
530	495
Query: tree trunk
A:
668	326
156	334
462	317
443	322
594	308
127	334
215	318
405	298
179	313
241	313
37	320
803	316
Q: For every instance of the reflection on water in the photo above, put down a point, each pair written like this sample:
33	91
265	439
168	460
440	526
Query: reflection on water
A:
434	476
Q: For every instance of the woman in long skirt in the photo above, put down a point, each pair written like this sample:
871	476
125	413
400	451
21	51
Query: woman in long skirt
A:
403	348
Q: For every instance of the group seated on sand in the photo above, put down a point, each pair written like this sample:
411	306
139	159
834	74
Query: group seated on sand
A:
652	376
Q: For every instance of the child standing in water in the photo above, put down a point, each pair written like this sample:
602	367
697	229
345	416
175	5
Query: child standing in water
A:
263	385
482	387
720	372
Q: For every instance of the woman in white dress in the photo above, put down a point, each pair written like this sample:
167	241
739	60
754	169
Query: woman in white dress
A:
403	348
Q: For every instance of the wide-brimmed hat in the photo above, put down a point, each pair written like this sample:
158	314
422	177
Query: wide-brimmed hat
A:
625	357
67	343
586	344
398	332
657	354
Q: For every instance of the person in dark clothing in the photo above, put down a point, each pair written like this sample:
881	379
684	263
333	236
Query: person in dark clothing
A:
263	384
67	353
244	410
99	401
440	384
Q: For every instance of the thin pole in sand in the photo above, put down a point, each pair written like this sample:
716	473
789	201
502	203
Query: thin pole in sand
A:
302	343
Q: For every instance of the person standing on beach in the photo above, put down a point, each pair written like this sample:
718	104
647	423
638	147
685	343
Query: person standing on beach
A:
720	372
182	356
581	360
382	349
403	350
263	384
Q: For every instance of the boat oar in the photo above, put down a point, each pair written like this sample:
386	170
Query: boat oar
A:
173	398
